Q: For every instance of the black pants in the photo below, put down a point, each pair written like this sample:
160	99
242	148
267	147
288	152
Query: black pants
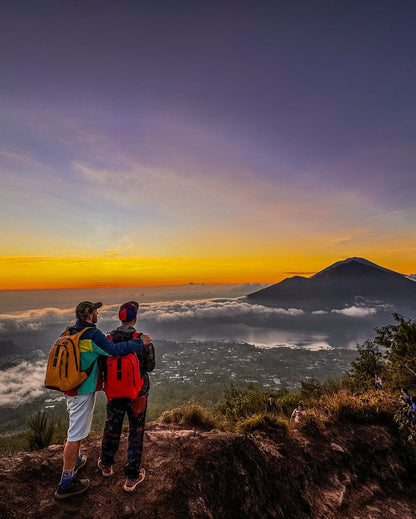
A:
136	412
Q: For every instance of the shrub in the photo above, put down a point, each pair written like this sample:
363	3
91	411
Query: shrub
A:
191	414
40	431
311	424
262	422
370	362
310	390
366	407
239	404
286	402
407	425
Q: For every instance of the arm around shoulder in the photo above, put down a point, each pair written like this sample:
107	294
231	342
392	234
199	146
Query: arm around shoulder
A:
147	357
120	348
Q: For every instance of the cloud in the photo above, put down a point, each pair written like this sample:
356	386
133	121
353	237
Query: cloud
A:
35	319
212	309
355	311
22	383
219	310
300	273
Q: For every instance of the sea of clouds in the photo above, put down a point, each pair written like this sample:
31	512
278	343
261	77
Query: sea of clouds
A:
222	319
208	309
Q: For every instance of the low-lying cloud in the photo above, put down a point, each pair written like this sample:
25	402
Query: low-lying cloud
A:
22	384
35	319
355	311
208	310
211	309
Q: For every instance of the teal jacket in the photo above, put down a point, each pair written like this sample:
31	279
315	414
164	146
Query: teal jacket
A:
92	344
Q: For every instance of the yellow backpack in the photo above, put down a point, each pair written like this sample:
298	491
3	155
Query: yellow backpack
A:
63	371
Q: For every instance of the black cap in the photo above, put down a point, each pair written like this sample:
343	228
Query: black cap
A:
85	308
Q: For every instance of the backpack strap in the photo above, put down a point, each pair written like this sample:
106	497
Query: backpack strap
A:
91	366
121	335
84	329
68	329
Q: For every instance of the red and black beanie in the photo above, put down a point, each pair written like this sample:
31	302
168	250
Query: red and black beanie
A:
128	311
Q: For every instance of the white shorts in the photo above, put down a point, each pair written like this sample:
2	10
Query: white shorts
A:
80	410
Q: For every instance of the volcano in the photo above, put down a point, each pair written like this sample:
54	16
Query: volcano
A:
352	282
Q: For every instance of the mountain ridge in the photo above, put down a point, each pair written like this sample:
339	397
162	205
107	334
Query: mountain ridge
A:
352	282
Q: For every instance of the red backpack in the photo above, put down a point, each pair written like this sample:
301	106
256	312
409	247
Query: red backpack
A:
122	377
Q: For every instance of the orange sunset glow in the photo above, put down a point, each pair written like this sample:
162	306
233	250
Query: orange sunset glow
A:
38	272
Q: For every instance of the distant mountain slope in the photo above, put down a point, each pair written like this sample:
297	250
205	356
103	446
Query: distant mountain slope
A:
8	348
355	281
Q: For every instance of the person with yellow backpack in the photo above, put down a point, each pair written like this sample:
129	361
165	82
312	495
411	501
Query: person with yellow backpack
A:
92	344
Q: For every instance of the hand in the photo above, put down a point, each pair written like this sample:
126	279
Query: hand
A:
146	339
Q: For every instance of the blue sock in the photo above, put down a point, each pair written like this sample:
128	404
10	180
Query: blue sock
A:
66	478
78	460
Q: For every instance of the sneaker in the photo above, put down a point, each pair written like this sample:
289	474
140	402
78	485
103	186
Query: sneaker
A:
80	464
77	486
131	483
105	471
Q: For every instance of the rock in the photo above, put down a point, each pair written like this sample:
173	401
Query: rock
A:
55	448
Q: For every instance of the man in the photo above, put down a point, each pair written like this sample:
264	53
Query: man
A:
271	406
81	400
135	409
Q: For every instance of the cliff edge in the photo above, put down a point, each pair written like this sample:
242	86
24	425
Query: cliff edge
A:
341	471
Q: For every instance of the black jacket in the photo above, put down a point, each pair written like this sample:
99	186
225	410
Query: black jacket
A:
146	355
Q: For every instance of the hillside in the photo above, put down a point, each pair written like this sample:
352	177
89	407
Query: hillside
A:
354	281
341	471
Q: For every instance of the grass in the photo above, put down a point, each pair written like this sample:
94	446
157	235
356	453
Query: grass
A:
191	414
368	407
341	406
13	443
262	422
244	412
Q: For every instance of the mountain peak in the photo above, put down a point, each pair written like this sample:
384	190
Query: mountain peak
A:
353	259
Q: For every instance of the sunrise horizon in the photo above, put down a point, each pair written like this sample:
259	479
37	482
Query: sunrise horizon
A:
74	273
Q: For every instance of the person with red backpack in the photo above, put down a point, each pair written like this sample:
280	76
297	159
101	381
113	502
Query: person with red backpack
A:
126	383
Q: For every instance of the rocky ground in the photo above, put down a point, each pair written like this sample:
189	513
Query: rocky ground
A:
195	474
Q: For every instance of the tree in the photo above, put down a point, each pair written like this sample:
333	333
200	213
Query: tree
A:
310	389
370	362
399	341
242	403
